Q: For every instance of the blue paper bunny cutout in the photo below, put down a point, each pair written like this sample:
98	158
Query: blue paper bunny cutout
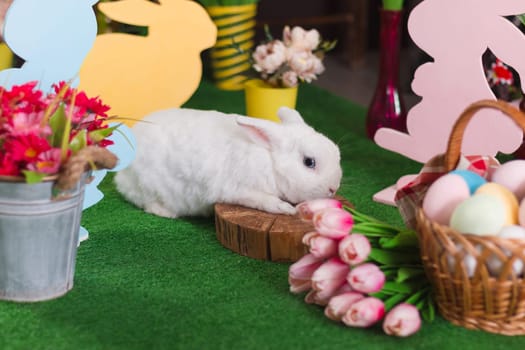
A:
53	37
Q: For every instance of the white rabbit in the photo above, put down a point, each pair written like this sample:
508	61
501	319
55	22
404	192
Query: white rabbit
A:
187	160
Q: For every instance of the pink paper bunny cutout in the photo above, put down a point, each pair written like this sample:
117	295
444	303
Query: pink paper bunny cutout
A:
456	33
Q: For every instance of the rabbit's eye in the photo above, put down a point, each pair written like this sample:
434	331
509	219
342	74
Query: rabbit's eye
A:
309	162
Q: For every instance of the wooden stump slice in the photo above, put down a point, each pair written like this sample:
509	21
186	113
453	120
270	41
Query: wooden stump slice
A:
261	235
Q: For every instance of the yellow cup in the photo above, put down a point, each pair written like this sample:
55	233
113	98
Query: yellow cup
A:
263	100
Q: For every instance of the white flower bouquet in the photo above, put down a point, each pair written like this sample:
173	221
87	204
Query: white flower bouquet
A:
298	57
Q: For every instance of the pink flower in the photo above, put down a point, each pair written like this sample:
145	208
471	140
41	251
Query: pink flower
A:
300	273
354	249
48	162
269	57
299	39
290	79
333	222
320	246
364	313
403	320
307	209
322	298
340	304
329	277
307	65
27	123
366	278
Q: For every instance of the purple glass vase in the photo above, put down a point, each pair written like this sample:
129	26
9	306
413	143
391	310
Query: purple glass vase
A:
387	108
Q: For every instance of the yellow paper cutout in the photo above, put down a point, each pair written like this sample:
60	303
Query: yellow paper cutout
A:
137	75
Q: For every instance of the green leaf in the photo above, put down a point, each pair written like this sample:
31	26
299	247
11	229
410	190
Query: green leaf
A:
522	18
394	257
406	238
394	300
407	273
79	141
100	134
33	177
428	312
57	122
406	287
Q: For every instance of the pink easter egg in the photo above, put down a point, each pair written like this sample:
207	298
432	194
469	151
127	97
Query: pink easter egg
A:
443	196
512	176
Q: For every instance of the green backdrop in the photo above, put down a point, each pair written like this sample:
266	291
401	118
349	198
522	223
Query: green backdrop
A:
144	282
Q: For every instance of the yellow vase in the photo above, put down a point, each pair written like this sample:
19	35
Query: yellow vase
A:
263	100
6	57
230	56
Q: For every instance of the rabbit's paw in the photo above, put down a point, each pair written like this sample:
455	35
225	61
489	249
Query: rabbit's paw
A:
277	206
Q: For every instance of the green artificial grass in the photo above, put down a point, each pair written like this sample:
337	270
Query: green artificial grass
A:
144	282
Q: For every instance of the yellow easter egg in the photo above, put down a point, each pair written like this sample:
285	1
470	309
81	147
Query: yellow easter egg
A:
506	196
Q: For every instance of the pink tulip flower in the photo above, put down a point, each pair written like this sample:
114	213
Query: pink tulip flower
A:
354	249
307	209
313	297
366	278
340	304
323	298
320	246
329	277
364	313
333	223
403	320
300	273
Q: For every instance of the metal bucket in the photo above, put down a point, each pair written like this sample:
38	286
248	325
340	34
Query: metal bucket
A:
38	240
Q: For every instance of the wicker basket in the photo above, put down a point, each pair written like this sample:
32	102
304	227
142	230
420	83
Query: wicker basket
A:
478	281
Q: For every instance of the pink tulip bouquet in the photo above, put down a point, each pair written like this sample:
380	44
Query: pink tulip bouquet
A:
361	270
39	132
298	57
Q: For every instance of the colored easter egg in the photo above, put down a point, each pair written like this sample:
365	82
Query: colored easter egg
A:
482	214
507	197
521	213
443	196
472	179
511	175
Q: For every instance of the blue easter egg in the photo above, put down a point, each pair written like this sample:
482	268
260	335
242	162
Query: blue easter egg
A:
472	179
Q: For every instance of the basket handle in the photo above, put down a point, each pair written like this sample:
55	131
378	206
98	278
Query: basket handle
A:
456	136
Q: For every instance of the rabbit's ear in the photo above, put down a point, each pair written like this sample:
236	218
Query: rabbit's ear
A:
262	132
288	115
136	12
92	2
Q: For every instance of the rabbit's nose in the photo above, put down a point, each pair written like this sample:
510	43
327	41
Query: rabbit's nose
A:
331	192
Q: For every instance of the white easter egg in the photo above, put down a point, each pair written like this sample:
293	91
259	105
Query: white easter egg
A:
512	231
442	197
469	264
511	175
482	214
507	197
495	264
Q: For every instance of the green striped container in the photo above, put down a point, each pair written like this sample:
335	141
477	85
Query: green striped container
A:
230	57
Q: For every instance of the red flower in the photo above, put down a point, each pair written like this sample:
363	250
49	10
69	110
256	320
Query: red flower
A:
8	166
22	98
26	147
